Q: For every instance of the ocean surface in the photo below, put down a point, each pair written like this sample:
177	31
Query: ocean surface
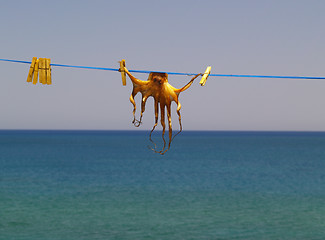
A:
78	185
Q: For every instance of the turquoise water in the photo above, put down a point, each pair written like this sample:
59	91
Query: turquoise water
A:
210	185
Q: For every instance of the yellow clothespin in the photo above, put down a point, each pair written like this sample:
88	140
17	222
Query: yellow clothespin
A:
43	67
205	76
48	71
31	70
35	77
42	71
123	74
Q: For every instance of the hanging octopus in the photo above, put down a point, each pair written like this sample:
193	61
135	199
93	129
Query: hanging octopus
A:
157	86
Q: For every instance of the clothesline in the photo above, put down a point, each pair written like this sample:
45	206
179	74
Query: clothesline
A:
175	73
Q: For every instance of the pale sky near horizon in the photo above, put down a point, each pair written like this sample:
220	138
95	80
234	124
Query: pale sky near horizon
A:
279	37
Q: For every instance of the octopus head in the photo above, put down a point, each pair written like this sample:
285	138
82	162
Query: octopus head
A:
158	78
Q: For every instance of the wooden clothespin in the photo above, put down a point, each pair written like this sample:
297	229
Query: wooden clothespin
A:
42	70
123	74
205	76
48	71
43	67
35	77
31	70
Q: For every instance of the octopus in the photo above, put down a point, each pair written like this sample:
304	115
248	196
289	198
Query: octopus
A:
164	94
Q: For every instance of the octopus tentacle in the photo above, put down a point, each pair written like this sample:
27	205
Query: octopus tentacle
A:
134	105
137	84
170	130
179	90
134	79
179	106
162	121
143	106
156	123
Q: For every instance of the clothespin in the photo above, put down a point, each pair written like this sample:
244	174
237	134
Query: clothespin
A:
42	70
48	71
205	76
43	67
123	74
35	77
31	70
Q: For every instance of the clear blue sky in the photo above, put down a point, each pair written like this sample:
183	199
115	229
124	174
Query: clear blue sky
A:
279	37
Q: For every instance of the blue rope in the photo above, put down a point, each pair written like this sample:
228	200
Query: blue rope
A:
73	66
17	61
265	76
173	73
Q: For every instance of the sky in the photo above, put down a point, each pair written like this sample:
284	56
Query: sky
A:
278	37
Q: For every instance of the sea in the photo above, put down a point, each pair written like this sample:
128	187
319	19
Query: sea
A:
75	185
